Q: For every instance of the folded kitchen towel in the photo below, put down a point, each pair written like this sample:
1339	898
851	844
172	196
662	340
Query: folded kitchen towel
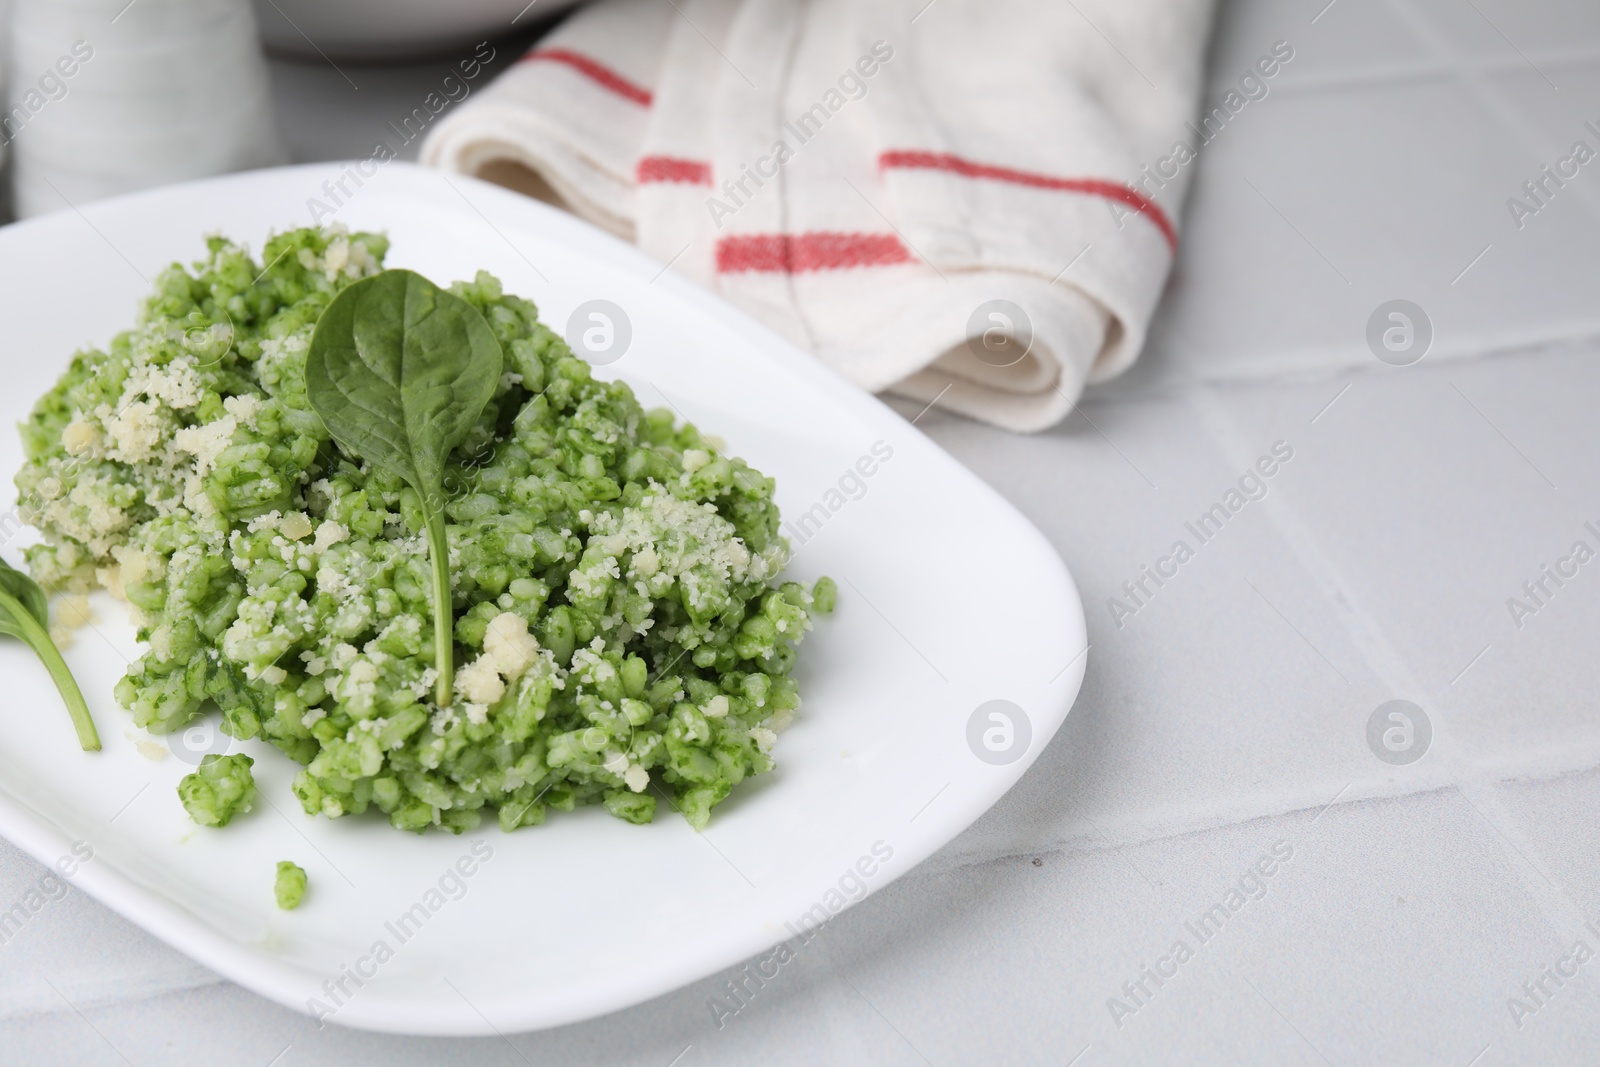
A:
968	202
565	123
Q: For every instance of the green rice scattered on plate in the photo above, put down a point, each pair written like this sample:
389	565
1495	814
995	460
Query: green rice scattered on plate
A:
621	635
220	789
289	887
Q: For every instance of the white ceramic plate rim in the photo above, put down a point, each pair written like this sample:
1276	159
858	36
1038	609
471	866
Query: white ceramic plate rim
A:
35	832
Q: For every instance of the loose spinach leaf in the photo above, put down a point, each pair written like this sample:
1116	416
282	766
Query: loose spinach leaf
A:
26	592
25	614
399	370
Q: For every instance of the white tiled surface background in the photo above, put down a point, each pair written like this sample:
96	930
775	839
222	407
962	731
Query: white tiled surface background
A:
1229	714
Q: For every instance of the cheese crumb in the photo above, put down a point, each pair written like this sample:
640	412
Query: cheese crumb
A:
479	681
153	751
329	534
79	437
176	384
135	430
508	645
243	408
73	611
295	525
206	442
110	579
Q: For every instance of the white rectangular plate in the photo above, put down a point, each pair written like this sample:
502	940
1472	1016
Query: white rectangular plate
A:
948	599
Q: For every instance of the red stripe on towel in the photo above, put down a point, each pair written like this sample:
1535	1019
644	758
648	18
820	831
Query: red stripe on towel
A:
913	160
801	252
669	169
597	72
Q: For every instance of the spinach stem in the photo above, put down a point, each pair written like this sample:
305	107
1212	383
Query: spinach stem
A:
38	638
443	615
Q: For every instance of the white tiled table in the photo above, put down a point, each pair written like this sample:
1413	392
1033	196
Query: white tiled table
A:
1229	715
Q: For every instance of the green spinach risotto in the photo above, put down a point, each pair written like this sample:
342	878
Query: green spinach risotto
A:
615	620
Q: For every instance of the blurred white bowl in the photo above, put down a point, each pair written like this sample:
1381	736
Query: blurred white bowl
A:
390	29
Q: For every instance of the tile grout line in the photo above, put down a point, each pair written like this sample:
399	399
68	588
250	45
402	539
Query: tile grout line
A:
1386	664
1378	654
175	985
1510	119
1247	810
1336	363
1438	68
1559	908
1556	905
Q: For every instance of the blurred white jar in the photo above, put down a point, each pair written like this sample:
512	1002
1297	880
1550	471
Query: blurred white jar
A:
108	96
5	61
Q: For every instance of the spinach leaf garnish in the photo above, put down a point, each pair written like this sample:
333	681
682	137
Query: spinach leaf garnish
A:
25	614
399	370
